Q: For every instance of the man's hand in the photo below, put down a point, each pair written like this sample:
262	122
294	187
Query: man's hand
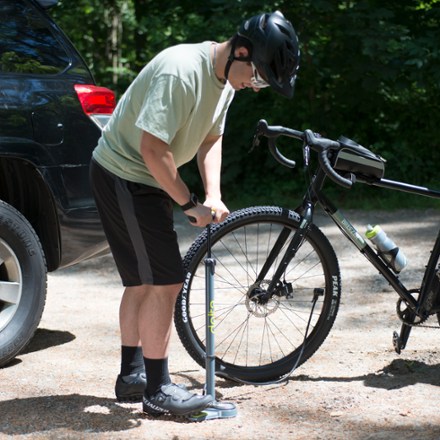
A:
218	208
212	211
200	215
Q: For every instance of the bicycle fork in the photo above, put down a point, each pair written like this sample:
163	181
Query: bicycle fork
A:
295	244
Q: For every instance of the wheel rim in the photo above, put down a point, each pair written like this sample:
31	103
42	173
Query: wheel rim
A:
11	284
252	332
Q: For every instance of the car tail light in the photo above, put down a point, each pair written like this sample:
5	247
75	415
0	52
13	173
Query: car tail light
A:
97	102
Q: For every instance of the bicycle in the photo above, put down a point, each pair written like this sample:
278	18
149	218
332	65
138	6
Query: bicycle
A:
278	283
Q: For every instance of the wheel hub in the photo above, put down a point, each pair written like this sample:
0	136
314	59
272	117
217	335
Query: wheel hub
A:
259	302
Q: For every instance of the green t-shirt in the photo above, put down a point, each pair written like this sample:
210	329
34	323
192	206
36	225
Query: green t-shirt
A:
177	98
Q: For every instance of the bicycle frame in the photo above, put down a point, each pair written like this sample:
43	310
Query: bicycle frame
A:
373	257
417	309
352	234
314	196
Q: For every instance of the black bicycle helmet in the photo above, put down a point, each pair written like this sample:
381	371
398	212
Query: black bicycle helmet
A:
275	50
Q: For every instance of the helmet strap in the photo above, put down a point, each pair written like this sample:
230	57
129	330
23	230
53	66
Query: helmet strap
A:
228	64
232	58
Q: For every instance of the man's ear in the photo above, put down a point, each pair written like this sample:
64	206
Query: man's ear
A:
241	52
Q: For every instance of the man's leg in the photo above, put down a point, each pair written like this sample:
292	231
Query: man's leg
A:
152	308
146	314
131	381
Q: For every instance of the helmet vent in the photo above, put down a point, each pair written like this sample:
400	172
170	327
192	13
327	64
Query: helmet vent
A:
285	31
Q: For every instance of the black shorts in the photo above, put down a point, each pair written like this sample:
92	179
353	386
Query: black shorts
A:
138	223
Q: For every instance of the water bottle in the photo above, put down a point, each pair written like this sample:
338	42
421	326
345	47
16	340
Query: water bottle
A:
386	247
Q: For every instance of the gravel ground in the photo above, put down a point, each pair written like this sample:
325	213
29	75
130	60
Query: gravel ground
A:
355	387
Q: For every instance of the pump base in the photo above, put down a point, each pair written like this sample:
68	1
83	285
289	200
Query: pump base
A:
216	410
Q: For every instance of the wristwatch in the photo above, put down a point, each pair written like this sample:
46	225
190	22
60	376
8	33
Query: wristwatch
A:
193	200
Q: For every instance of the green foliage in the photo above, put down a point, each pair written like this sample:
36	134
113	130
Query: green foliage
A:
11	62
369	70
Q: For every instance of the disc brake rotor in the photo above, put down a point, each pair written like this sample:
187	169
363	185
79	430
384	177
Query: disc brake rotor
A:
259	302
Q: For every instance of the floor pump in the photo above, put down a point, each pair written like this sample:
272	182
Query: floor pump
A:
217	410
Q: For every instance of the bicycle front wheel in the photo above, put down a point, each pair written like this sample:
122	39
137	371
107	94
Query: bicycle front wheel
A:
259	336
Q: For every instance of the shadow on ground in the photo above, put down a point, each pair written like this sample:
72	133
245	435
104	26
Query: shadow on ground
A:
42	340
73	412
400	373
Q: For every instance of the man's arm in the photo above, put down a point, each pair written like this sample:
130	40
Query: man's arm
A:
209	161
160	161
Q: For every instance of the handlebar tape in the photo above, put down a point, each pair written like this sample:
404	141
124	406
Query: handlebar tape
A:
283	160
324	146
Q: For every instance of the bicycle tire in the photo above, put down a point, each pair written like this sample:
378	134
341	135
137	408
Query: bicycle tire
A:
258	342
429	298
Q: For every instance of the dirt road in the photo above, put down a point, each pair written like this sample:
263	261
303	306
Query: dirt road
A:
355	387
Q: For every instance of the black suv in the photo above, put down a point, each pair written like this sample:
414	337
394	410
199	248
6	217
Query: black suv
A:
51	114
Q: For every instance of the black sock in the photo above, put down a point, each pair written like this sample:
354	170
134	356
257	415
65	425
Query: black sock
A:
157	373
131	360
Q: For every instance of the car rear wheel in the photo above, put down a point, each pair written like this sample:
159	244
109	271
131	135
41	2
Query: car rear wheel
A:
23	282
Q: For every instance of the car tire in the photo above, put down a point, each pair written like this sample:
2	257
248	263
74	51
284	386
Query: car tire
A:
23	282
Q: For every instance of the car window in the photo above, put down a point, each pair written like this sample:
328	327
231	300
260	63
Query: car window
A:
27	44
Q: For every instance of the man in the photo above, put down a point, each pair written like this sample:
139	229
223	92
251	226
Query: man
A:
175	109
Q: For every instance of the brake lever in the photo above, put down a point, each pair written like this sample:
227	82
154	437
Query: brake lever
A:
255	142
259	131
306	154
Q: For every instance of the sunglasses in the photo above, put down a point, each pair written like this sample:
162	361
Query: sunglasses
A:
257	80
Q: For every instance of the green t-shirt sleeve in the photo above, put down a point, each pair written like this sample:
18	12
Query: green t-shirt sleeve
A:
165	108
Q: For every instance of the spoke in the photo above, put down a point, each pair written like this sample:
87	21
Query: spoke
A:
9	292
299	261
294	324
252	330
281	334
5	254
234	333
231	253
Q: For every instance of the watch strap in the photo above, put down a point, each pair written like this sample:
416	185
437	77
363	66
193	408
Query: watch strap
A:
191	204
